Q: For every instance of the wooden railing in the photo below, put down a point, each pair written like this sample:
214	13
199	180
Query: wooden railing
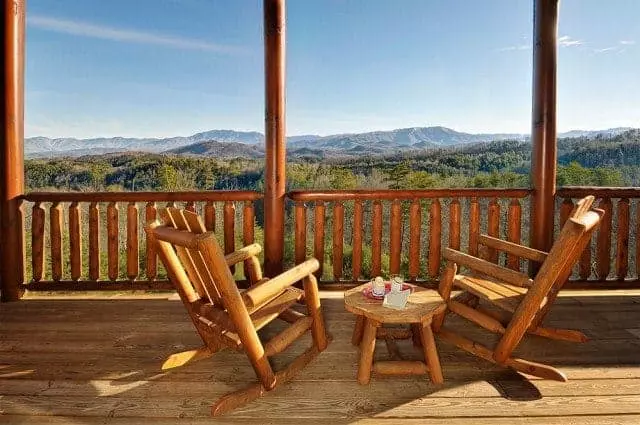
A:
360	234
89	241
613	257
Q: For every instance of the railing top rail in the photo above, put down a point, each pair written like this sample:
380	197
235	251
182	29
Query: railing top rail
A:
344	195
214	195
598	192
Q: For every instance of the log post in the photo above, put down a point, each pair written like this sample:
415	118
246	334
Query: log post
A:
12	149
543	123
275	134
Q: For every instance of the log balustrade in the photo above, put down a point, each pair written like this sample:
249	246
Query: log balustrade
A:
613	257
360	234
96	241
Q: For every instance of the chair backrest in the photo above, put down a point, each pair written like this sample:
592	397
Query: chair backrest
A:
193	258
574	237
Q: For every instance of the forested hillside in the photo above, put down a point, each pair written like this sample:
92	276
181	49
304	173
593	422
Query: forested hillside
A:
602	161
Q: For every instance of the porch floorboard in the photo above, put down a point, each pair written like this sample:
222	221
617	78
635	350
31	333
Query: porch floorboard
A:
90	359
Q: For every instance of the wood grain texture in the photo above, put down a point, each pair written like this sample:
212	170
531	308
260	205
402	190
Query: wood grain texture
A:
229	216
493	227
318	235
622	240
514	231
300	232
454	224
415	230
210	216
357	240
55	237
94	241
338	239
133	245
150	214
435	238
603	247
113	241
376	240
474	225
37	241
395	237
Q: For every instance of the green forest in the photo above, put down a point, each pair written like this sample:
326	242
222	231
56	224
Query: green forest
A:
602	161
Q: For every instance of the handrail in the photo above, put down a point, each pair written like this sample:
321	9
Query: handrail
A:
603	192
187	196
343	195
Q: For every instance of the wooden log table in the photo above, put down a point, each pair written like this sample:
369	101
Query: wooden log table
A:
422	305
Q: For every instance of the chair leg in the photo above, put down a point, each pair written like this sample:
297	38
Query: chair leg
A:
312	299
367	348
530	368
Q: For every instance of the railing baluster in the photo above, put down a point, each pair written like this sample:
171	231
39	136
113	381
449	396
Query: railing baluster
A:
94	241
133	255
622	242
474	225
230	229
318	236
338	239
113	241
565	210
300	232
356	259
75	241
376	240
435	238
210	216
150	214
190	206
514	221
395	236
454	224
604	241
37	241
248	219
55	227
493	227
415	226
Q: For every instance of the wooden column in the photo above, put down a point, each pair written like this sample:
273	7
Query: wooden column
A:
11	149
543	123
275	134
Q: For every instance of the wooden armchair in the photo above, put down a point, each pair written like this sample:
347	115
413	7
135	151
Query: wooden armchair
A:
226	317
521	303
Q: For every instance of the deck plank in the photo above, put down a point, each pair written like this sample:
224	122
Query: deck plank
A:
78	361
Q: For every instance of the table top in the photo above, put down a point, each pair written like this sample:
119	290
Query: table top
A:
422	304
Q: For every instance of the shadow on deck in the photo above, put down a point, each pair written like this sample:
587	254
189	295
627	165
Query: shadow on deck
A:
97	361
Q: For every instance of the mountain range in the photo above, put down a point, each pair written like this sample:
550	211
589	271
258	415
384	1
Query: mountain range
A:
249	144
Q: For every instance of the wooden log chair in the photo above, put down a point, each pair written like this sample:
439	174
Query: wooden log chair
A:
521	303
224	316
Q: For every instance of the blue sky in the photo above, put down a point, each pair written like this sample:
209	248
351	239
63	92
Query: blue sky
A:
152	68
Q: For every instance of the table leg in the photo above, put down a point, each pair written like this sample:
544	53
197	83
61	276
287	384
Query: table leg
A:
431	353
416	330
358	330
367	348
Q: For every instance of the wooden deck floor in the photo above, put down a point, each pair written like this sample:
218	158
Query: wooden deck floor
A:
78	361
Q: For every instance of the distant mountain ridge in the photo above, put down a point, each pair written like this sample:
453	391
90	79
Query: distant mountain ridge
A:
211	142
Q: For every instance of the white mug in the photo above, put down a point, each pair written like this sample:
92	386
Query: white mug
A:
377	287
396	283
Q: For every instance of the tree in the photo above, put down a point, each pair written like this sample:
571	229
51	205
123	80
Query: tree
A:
167	177
398	175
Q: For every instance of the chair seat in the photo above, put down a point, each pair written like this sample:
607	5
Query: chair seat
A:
268	312
503	295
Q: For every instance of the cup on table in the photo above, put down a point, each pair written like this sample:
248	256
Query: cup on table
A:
396	283
377	287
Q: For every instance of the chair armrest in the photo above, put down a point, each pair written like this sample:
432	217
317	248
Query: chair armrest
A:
243	254
266	291
485	267
513	248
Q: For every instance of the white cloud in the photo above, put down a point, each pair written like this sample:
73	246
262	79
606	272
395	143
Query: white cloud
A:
128	36
607	49
514	48
566	41
627	42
